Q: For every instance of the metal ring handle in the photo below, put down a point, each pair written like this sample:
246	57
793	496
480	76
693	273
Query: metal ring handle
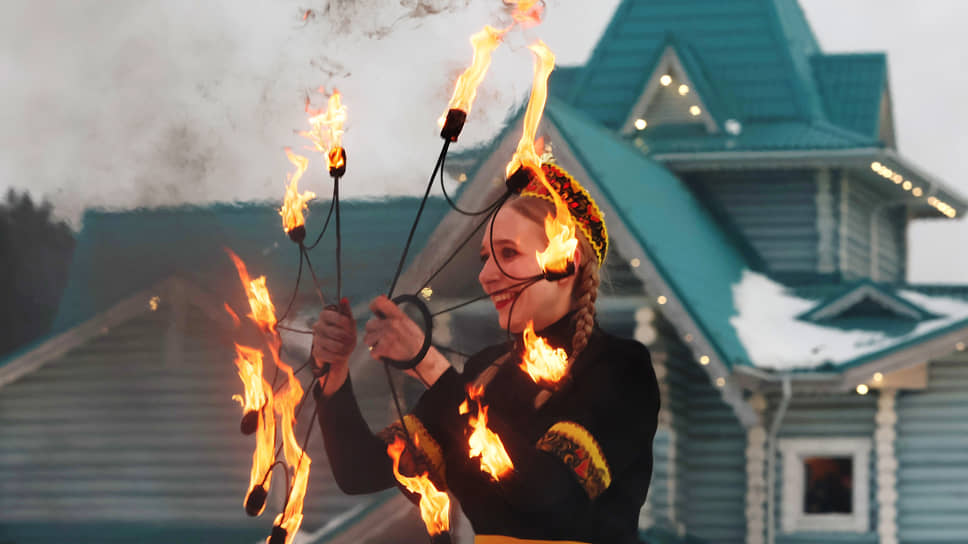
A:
428	335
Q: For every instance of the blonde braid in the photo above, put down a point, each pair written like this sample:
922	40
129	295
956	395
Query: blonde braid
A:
586	293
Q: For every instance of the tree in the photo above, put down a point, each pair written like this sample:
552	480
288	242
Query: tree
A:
35	256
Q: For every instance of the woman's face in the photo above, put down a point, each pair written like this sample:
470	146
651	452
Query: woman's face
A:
516	240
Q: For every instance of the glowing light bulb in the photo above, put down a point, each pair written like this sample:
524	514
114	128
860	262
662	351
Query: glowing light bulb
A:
720	382
907	185
694	110
635	262
878	377
862	389
704	360
916	191
640	124
662	299
426	292
875	166
683	90
665	80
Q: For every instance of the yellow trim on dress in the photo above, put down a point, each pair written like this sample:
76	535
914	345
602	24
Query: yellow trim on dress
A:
428	447
578	449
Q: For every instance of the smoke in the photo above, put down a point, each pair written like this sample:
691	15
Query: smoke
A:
121	105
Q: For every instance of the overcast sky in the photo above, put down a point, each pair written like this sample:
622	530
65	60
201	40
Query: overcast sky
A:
119	104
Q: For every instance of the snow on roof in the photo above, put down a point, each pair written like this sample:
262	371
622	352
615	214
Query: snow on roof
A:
767	325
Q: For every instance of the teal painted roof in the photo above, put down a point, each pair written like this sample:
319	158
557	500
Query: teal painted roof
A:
913	311
851	86
693	255
757	51
121	253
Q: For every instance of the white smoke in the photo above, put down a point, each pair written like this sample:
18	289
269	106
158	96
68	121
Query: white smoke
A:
128	104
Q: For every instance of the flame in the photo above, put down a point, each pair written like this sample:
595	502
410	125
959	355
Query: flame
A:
434	504
295	203
285	404
258	394
525	154
560	229
562	235
541	361
484	442
263	312
484	43
326	132
527	13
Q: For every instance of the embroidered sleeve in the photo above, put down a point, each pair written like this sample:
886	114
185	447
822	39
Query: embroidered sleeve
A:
580	452
429	452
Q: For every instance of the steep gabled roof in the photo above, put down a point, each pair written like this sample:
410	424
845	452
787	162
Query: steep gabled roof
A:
756	50
852	87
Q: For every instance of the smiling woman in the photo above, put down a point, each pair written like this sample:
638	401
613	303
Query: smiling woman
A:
531	457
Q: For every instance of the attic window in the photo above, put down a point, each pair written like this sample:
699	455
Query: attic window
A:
826	484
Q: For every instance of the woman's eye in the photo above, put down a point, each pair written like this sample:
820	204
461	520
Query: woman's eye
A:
508	253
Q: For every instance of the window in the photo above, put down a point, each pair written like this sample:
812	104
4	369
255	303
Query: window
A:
825	484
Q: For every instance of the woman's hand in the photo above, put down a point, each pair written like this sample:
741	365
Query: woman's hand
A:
334	339
394	335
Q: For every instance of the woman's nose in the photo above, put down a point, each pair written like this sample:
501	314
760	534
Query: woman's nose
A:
489	273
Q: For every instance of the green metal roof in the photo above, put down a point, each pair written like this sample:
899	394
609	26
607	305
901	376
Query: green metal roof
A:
852	86
916	312
757	51
121	253
693	255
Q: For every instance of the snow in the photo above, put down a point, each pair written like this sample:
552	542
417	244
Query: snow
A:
767	325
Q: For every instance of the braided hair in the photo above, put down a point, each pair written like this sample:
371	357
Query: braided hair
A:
587	280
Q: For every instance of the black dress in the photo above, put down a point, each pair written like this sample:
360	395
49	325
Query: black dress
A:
582	456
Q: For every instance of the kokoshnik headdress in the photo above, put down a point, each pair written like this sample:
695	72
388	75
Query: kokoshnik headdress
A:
588	217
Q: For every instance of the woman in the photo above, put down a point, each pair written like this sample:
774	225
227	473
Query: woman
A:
581	447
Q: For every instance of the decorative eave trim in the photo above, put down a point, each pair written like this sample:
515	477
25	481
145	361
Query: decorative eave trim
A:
668	60
834	307
130	307
857	158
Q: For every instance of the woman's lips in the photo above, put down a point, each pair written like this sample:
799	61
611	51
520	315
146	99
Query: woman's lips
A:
503	299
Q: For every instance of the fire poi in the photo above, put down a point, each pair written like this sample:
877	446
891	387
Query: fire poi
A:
547	366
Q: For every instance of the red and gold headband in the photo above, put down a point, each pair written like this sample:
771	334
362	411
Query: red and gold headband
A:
588	217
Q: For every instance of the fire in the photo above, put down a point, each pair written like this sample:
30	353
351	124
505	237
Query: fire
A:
562	235
484	442
525	155
295	203
285	404
527	12
434	504
263	312
484	43
258	394
541	361
326	132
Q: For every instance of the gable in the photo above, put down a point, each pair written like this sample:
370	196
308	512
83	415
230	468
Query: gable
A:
754	48
671	96
865	300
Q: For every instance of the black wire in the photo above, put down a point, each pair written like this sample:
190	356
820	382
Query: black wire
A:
443	188
528	283
416	221
396	403
490	237
332	203
295	290
339	244
498	204
305	441
309	265
290	329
